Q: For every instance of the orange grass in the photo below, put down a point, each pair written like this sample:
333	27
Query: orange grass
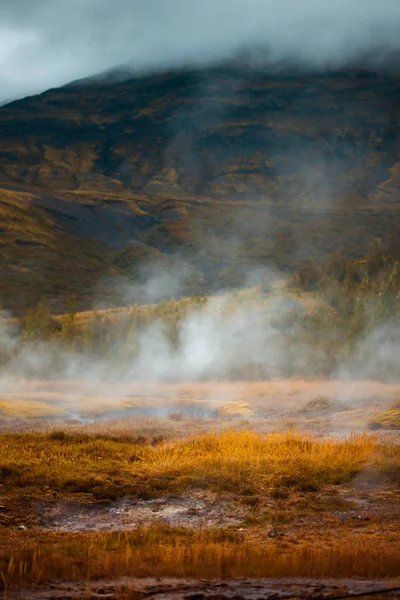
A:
240	464
229	461
163	552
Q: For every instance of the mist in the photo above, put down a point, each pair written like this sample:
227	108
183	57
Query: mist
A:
261	331
240	350
47	43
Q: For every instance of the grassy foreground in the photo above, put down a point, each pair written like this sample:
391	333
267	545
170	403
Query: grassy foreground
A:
283	479
163	552
59	463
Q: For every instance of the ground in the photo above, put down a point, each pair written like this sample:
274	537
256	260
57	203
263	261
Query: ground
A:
208	487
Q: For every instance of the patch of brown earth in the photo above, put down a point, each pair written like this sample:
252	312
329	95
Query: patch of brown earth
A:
186	589
198	511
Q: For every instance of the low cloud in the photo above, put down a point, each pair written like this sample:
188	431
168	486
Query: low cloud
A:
46	43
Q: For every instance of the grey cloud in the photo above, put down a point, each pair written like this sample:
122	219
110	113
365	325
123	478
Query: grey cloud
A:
45	43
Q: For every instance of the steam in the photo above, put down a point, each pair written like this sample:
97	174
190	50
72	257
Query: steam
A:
376	356
224	345
46	43
234	335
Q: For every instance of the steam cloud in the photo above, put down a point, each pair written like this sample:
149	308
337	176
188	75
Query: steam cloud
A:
224	343
46	43
257	338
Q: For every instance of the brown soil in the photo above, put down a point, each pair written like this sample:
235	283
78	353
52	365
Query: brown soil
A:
186	589
198	511
366	507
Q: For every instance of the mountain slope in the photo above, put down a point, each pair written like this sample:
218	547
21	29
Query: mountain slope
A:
230	167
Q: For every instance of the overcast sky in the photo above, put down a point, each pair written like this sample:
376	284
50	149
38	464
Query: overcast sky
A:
45	43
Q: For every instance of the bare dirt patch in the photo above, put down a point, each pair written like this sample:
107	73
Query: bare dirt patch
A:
187	589
198	511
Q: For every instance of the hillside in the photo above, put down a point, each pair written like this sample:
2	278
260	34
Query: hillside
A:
230	167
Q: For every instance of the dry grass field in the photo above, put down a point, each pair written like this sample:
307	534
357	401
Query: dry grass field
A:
195	498
108	479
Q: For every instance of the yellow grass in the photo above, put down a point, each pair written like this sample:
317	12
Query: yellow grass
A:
236	460
241	465
25	409
388	419
230	461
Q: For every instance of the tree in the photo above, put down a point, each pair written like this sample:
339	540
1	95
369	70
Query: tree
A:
38	323
69	323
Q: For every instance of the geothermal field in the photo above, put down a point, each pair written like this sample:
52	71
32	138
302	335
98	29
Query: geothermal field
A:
243	445
238	446
280	488
199	299
320	406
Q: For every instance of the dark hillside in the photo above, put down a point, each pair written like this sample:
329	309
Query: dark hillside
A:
230	167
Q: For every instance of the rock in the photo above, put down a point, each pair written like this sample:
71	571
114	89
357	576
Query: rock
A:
192	511
22	527
273	532
102	593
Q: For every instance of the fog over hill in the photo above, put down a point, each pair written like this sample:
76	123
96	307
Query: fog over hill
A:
46	43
